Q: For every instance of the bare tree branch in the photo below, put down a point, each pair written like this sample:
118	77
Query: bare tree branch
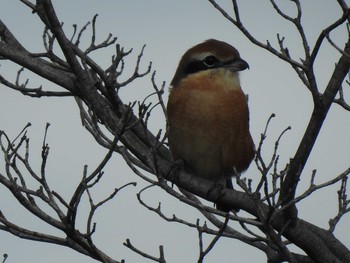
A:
343	203
318	116
161	259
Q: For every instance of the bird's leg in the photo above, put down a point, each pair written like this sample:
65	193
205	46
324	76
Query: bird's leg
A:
217	191
225	183
175	170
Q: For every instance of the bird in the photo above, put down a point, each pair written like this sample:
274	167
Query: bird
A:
208	114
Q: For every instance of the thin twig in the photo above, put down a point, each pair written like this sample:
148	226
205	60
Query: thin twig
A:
161	259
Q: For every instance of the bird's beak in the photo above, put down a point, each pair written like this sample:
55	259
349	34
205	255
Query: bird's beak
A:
237	65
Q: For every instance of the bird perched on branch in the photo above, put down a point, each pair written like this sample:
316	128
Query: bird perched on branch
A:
208	115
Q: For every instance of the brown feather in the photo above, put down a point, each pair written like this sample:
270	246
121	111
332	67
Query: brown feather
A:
208	116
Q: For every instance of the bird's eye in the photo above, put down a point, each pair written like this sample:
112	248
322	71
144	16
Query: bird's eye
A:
210	61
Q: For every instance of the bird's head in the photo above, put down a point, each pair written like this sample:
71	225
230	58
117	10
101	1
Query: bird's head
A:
210	55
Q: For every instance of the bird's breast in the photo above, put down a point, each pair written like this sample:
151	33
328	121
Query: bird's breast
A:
209	124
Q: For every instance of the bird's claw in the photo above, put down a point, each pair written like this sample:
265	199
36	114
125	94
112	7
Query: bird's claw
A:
175	170
217	190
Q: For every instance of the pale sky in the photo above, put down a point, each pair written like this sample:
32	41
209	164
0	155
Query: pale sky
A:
169	28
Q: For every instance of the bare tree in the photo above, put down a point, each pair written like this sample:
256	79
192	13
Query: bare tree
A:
272	224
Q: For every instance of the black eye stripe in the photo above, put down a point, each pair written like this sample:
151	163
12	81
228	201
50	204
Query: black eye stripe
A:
195	66
208	62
